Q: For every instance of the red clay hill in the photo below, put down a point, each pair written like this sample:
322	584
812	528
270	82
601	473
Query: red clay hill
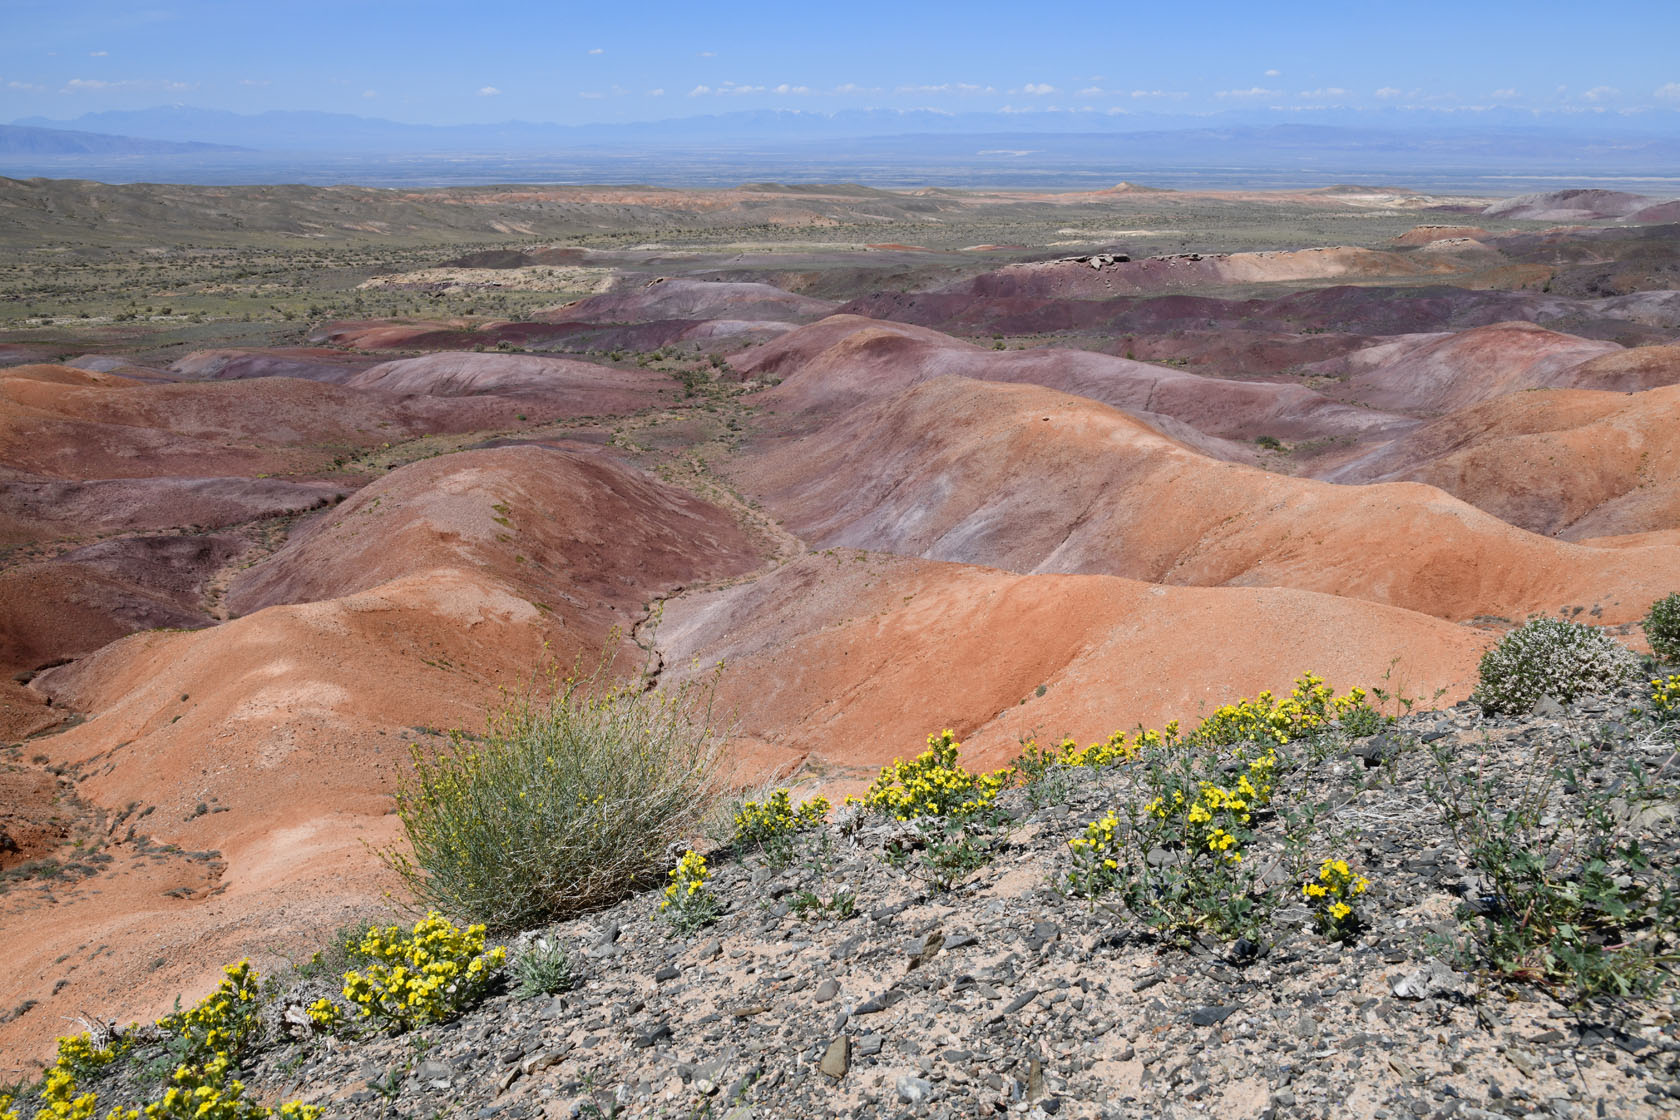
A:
1006	496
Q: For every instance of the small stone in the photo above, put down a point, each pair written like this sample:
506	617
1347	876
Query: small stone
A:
869	1045
1432	980
669	972
1210	1016
1020	1001
838	1059
827	990
914	1090
642	1040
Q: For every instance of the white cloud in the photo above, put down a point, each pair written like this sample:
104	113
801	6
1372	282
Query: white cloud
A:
785	90
591	95
1274	73
1152	94
30	87
99	54
1669	92
489	91
1601	93
1254	91
708	54
699	91
742	89
656	93
596	50
78	85
1038	89
853	87
947	87
1388	93
1091	91
258	82
1504	94
1327	91
369	95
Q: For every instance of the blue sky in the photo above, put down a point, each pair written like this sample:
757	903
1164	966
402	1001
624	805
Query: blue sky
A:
491	60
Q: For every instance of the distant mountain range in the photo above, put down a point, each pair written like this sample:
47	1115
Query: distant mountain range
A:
876	146
300	131
26	140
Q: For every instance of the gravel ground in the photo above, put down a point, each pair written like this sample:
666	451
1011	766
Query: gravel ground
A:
1003	996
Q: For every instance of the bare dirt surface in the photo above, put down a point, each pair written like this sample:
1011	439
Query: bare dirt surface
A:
903	461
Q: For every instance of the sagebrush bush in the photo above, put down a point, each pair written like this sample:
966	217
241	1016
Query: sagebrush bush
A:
1550	657
566	805
1662	628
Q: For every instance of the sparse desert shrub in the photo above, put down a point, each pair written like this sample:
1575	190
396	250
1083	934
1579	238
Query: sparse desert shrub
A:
428	974
1662	628
565	806
1550	657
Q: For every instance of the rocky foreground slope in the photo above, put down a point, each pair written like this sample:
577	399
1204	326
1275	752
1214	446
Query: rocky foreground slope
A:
842	981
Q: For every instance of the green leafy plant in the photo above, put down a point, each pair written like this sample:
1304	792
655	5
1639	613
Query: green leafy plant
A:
1550	657
1662	628
544	969
428	974
1175	853
564	806
810	905
1573	899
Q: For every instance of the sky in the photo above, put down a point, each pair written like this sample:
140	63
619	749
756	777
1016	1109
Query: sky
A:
426	61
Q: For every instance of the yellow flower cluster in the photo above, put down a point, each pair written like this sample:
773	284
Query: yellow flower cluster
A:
1096	862
1118	747
224	1021
427	975
934	784
1208	817
688	879
326	1015
1329	893
215	1033
757	823
209	1092
687	904
1665	694
1310	707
